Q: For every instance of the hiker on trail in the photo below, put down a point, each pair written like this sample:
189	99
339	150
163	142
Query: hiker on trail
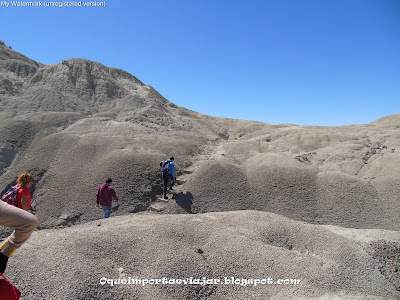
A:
168	173
17	218
105	195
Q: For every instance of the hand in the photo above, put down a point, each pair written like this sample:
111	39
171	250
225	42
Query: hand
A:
97	205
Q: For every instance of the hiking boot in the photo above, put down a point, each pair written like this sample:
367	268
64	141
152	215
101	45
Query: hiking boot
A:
3	262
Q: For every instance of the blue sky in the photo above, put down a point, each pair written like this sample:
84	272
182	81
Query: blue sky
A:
307	62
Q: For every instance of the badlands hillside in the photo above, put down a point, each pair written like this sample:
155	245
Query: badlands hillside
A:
254	200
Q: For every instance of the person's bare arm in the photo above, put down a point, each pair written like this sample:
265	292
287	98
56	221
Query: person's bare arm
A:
24	202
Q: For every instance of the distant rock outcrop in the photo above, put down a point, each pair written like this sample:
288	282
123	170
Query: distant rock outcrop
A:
392	121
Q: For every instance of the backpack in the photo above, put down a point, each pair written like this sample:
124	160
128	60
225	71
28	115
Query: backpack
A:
7	290
11	195
164	166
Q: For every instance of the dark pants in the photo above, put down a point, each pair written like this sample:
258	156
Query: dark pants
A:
166	178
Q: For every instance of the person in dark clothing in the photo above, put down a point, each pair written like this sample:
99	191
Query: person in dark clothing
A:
105	195
169	176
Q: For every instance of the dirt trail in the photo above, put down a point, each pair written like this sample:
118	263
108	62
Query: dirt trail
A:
179	200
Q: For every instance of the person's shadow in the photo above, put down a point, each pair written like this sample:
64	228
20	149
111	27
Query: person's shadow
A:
185	201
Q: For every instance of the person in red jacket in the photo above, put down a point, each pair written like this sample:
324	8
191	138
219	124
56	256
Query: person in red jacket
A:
18	219
105	195
24	194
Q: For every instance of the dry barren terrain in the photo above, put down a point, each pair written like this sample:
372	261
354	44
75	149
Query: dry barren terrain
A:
254	200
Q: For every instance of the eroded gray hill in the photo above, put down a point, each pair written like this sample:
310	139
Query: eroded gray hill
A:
246	245
74	123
